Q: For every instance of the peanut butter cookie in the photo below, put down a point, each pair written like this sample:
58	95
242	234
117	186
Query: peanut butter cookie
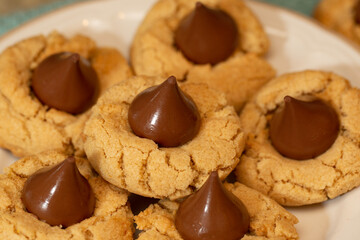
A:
154	51
27	125
331	171
139	165
342	16
268	220
111	219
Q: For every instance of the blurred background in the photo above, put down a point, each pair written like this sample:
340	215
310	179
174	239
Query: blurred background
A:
15	12
10	6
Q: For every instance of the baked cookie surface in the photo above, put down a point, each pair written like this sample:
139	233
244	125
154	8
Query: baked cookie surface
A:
340	15
112	217
292	182
153	52
268	220
139	165
28	126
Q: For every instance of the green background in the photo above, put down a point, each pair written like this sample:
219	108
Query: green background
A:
10	21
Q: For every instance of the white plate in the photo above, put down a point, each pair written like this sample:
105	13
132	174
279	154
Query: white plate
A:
297	44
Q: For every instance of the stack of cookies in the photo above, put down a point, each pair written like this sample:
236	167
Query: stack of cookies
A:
196	138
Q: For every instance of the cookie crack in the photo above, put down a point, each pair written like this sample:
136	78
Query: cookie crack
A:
353	140
232	138
11	208
258	175
146	175
19	175
144	168
117	209
15	230
216	110
196	169
308	189
236	135
221	132
25	120
9	103
71	236
344	129
120	160
11	112
269	185
341	174
283	181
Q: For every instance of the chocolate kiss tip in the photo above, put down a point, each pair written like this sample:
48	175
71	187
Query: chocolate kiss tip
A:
199	5
288	99
214	174
70	160
171	80
75	57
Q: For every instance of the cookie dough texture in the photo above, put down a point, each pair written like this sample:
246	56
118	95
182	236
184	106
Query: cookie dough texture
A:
153	52
139	165
268	220
26	125
292	182
339	15
112	218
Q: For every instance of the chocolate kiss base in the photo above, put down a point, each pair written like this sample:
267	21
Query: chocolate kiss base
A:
212	213
303	130
59	195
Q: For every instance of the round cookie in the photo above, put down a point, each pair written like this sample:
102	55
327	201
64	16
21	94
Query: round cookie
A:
28	126
242	74
139	165
340	15
268	220
292	182
112	217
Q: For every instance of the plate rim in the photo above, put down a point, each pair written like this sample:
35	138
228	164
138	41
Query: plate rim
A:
293	13
308	19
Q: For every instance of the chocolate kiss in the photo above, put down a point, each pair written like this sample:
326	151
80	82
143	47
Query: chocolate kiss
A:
206	35
164	114
59	195
212	213
66	81
303	130
357	12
